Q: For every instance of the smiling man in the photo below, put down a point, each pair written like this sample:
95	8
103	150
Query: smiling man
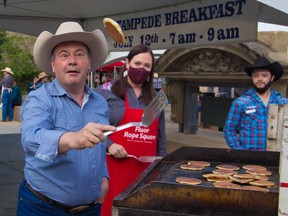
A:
62	128
249	113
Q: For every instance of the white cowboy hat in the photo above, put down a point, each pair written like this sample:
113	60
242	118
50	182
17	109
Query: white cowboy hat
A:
42	75
8	70
70	31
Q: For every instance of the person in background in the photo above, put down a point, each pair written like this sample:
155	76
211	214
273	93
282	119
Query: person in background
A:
108	78
42	78
249	112
62	128
16	95
6	85
32	85
224	92
127	97
157	82
96	80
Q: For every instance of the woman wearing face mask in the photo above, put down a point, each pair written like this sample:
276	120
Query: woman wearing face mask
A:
127	96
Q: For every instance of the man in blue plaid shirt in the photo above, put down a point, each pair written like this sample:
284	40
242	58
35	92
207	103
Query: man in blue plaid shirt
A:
249	113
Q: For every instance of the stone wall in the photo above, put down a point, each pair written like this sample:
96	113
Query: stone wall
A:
219	65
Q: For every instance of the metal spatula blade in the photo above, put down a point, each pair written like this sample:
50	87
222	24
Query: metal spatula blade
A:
146	159
153	109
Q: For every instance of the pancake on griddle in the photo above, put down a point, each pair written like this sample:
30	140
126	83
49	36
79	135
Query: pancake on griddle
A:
254	167
191	167
241	180
262	183
218	179
259	172
228	185
190	181
244	176
227	167
254	188
216	175
228	172
199	163
262	177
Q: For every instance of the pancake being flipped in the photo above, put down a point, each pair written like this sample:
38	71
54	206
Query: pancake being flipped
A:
114	30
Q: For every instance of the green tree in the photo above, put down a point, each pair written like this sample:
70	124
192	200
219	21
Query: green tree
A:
16	53
2	39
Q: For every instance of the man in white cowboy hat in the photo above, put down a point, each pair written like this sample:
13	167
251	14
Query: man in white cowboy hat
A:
43	77
62	127
249	113
7	83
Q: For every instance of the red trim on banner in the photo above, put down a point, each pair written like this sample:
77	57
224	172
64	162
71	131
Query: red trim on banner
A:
284	184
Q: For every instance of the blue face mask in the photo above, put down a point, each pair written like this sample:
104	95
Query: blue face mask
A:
138	75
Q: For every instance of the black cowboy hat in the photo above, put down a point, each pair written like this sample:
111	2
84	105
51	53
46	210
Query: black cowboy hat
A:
261	62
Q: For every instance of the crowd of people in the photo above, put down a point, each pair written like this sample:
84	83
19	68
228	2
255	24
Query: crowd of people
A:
71	167
11	94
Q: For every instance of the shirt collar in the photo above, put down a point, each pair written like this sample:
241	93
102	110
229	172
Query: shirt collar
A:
57	90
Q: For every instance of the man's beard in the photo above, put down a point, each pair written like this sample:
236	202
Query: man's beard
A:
263	89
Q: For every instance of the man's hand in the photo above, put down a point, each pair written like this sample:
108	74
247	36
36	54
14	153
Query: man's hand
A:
87	137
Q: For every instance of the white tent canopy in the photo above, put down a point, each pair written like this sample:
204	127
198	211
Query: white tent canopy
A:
32	17
162	24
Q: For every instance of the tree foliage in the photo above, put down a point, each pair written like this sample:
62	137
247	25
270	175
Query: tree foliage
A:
16	53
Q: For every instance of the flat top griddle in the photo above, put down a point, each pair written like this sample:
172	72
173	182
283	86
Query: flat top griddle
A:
156	190
173	171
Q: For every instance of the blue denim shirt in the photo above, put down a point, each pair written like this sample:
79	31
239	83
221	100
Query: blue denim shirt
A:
249	115
73	178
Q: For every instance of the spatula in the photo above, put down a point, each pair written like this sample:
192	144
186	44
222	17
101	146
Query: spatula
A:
145	159
153	109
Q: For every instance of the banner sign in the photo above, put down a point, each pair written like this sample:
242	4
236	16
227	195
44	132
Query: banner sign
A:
205	22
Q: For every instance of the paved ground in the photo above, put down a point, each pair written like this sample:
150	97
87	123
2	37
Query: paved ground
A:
12	155
11	169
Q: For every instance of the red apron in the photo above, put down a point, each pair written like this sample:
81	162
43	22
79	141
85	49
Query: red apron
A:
138	141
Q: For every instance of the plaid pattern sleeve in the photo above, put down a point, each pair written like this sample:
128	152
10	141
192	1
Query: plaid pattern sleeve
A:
249	115
232	124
